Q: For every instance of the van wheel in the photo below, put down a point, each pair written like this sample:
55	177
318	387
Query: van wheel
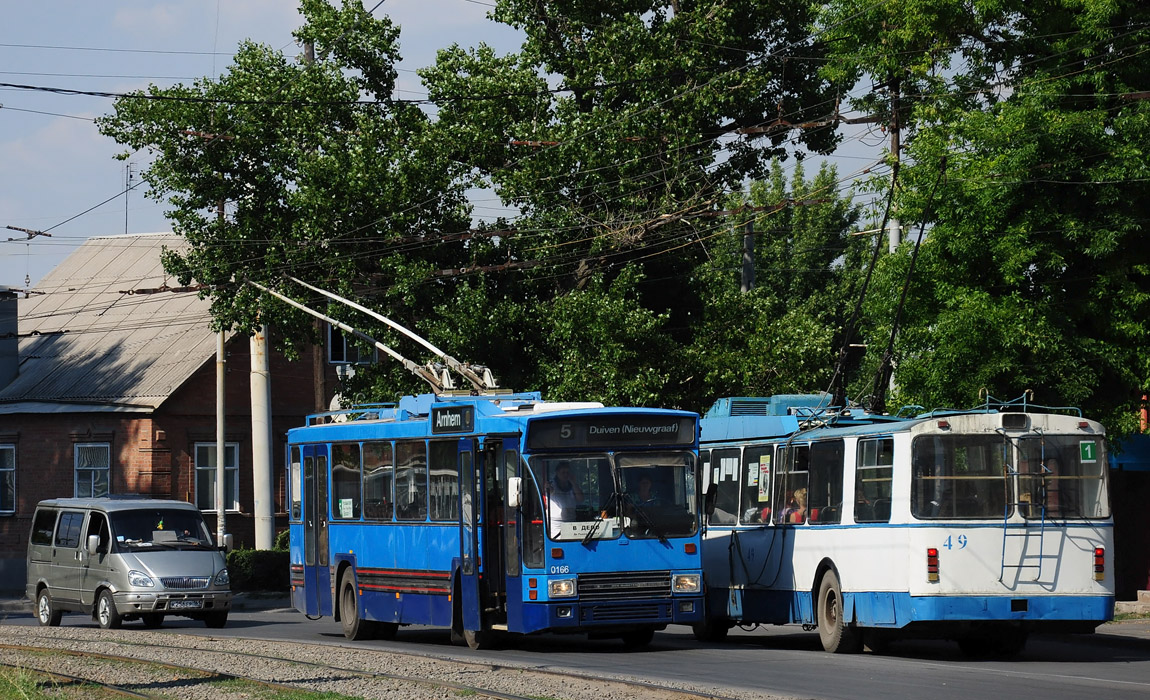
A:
216	620
106	613
45	613
152	620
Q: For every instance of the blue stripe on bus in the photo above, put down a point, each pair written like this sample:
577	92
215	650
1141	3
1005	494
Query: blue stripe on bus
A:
940	524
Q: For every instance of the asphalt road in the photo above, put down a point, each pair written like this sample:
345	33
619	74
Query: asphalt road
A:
1113	664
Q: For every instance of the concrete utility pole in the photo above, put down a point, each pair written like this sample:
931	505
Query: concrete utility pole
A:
748	282
264	494
221	447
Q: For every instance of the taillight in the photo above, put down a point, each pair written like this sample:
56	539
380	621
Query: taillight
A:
932	565
1099	563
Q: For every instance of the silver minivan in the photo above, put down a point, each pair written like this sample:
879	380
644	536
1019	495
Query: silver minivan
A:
125	558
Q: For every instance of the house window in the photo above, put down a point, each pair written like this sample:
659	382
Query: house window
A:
93	467
7	479
206	475
343	350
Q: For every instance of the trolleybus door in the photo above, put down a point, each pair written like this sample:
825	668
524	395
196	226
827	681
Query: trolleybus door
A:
316	570
469	517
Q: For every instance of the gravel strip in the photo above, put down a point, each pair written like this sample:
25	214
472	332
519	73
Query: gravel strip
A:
236	658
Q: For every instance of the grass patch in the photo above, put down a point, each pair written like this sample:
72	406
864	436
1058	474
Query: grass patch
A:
263	692
1119	617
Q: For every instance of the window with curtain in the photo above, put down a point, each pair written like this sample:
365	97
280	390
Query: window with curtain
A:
7	479
93	469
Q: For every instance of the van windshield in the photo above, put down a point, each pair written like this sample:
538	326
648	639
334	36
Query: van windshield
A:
162	528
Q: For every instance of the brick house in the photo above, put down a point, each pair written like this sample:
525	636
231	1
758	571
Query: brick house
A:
109	386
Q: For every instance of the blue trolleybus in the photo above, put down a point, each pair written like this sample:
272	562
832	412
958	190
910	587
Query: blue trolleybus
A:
979	526
497	514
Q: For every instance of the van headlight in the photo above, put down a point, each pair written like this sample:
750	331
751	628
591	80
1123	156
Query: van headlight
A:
685	583
222	578
139	579
561	588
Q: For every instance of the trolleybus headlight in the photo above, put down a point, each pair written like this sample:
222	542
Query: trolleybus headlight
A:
222	578
561	588
685	583
139	579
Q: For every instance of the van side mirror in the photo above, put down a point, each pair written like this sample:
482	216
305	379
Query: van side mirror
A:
515	491
709	500
227	545
93	544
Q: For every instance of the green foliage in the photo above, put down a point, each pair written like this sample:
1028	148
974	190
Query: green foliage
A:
258	569
282	541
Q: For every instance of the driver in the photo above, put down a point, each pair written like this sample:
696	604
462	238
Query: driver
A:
563	495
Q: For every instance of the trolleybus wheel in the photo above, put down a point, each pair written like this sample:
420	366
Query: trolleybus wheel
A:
106	613
836	634
476	639
638	638
713	630
152	620
45	613
354	627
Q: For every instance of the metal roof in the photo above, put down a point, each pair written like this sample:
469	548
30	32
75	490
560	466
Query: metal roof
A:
97	332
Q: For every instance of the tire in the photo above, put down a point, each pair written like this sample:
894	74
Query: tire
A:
106	614
638	638
837	635
47	615
152	620
216	620
354	627
477	640
714	630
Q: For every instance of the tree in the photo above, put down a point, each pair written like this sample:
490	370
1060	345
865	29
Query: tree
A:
323	175
1034	272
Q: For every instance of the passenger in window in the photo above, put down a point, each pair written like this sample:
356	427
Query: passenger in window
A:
796	511
563	496
646	495
864	510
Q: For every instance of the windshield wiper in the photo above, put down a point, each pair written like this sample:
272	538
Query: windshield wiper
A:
646	519
599	519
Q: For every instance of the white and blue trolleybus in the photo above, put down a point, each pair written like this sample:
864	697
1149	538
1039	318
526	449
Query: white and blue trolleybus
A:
980	526
497	514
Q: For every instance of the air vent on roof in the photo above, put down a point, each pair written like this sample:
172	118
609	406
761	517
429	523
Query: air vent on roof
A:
750	407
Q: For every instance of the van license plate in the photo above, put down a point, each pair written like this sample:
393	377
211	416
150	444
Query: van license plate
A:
184	604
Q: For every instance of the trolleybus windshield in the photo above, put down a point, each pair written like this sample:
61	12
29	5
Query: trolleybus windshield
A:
640	495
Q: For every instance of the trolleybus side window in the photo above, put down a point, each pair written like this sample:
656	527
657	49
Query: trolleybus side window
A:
962	476
757	467
378	475
725	481
511	542
411	480
1062	476
791	484
295	484
825	492
532	514
444	472
345	481
873	479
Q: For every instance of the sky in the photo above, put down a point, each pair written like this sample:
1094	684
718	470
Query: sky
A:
60	176
54	164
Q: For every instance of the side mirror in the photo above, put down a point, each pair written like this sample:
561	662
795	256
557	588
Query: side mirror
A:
515	491
227	545
709	500
93	543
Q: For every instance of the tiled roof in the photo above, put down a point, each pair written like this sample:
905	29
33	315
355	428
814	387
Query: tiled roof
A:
98	333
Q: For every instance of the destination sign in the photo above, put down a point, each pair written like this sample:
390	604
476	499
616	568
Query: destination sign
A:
452	419
610	430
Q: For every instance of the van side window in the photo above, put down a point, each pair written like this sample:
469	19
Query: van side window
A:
98	525
68	531
43	526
